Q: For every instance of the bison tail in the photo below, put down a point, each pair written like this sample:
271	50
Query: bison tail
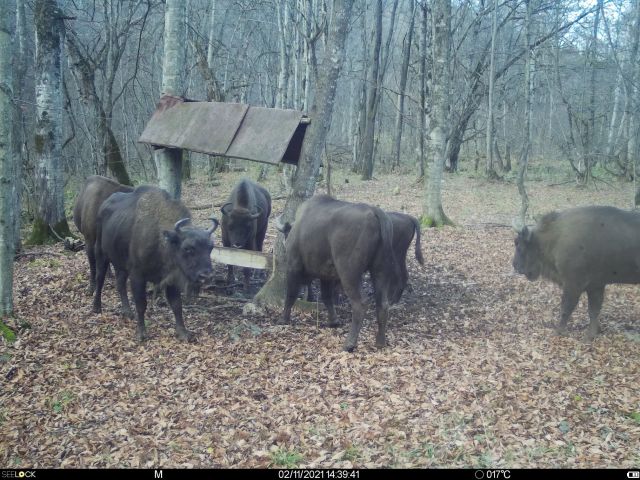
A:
386	231
419	256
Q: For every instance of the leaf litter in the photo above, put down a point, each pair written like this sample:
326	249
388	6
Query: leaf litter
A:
472	377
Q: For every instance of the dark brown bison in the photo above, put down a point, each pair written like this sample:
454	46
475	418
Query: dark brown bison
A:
146	235
404	227
582	250
244	221
96	189
338	242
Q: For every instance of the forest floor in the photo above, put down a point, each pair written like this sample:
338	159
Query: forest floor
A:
472	376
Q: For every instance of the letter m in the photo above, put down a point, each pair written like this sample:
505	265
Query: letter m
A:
157	474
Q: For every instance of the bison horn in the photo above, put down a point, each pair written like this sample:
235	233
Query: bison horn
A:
180	223
225	208
214	226
256	215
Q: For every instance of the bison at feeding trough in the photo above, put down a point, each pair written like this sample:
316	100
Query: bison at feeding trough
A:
244	221
582	250
338	241
147	236
95	191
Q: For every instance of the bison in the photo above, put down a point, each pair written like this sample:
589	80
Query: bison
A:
96	189
404	227
146	235
338	241
582	250
244	221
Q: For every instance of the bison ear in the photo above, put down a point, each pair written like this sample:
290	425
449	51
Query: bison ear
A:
226	208
171	236
256	215
525	234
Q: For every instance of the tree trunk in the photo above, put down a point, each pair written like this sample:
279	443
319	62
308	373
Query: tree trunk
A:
8	159
366	150
304	183
50	222
422	109
633	104
404	69
433	212
591	154
85	73
611	137
528	87
168	160
19	123
490	171
282	12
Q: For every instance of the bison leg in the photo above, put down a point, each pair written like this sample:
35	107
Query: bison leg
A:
382	313
101	265
121	285
596	297
326	289
568	304
230	277
138	289
247	278
291	294
91	256
310	295
175	300
357	314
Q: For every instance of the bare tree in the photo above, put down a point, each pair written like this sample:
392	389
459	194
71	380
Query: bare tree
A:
633	91
50	222
433	212
96	66
8	160
404	70
528	86
366	150
422	109
20	136
169	160
489	168
304	182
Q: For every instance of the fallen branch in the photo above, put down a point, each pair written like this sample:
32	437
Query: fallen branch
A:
36	254
561	183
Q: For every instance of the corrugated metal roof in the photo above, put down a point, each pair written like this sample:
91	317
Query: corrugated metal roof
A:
268	135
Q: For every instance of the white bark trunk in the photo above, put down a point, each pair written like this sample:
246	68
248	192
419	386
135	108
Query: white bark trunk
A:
432	207
7	158
169	161
49	181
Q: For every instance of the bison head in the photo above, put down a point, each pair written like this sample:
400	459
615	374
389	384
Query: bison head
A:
239	224
191	248
527	260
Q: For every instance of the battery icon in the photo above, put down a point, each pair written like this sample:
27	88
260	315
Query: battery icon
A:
633	474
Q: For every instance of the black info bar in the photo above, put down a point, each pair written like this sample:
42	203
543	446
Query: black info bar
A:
311	474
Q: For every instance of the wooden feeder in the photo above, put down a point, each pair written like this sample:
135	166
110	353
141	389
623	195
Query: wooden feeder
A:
258	134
